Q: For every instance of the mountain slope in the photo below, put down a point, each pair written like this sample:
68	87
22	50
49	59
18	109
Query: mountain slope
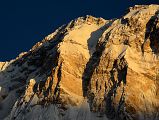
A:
89	69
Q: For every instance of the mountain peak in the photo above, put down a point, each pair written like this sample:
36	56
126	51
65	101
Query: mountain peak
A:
90	69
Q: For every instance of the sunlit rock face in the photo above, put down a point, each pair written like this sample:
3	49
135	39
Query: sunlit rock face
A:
89	69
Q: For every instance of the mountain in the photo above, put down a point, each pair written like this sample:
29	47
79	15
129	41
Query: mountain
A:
89	69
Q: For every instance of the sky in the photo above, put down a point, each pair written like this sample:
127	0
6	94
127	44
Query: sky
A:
25	22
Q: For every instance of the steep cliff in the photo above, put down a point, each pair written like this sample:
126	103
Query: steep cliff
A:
89	69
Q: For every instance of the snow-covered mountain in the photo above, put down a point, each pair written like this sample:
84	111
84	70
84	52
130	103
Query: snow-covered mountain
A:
89	69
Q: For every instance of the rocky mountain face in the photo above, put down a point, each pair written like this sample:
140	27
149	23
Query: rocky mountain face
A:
89	69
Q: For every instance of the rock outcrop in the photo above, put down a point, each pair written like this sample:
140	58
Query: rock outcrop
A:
90	69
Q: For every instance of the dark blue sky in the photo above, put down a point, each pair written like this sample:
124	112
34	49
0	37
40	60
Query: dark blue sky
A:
25	22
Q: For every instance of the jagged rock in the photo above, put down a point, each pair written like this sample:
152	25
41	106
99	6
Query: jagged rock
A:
88	69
